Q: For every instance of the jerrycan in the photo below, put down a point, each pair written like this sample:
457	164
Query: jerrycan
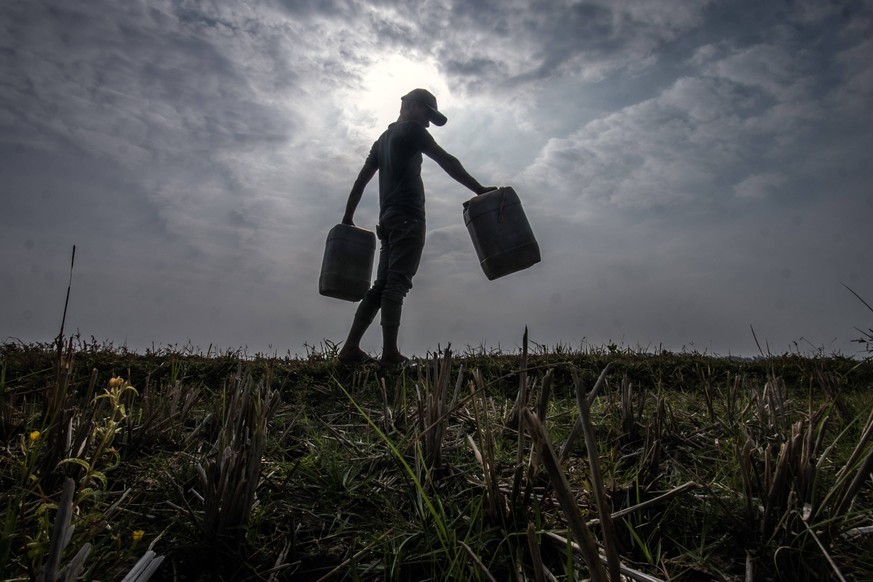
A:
348	263
501	234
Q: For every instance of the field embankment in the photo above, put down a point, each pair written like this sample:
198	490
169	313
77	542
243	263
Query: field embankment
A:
529	466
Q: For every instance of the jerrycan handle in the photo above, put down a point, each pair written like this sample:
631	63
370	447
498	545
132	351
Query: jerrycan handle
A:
502	190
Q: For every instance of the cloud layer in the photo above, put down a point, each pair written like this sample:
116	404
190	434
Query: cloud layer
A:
691	169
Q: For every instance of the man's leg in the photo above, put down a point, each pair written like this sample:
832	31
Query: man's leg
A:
406	244
351	350
367	309
390	330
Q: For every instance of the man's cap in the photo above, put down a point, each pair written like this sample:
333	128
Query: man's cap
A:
427	99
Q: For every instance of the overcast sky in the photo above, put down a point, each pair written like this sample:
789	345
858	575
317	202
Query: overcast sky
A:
692	170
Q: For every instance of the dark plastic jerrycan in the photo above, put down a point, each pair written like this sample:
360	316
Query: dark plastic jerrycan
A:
348	263
501	234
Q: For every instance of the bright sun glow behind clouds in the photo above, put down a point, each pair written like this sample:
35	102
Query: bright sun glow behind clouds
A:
376	102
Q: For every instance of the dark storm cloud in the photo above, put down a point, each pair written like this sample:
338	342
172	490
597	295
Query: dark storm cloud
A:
309	8
136	76
555	39
737	125
156	90
131	129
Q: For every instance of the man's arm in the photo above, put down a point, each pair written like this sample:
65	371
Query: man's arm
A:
364	177
453	168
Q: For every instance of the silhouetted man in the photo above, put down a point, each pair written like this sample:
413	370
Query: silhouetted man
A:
396	155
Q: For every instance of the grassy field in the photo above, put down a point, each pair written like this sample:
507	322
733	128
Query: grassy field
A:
542	465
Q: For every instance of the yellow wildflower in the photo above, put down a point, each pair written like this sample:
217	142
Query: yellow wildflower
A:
115	382
34	435
136	536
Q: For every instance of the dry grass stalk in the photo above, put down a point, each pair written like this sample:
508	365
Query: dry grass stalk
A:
744	459
478	562
513	420
587	543
230	478
733	398
708	397
676	491
792	485
629	413
533	461
434	407
535	555
773	404
57	392
830	383
495	502
521	405
361	379
626	571
826	554
163	415
386	410
352	559
61	534
650	458
144	568
787	492
8	407
866	338
401	406
782	490
847	489
577	427
545	393
610	541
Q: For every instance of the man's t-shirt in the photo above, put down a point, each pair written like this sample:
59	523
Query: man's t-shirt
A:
397	155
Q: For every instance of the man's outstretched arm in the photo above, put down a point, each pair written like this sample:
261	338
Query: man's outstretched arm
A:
364	177
453	167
